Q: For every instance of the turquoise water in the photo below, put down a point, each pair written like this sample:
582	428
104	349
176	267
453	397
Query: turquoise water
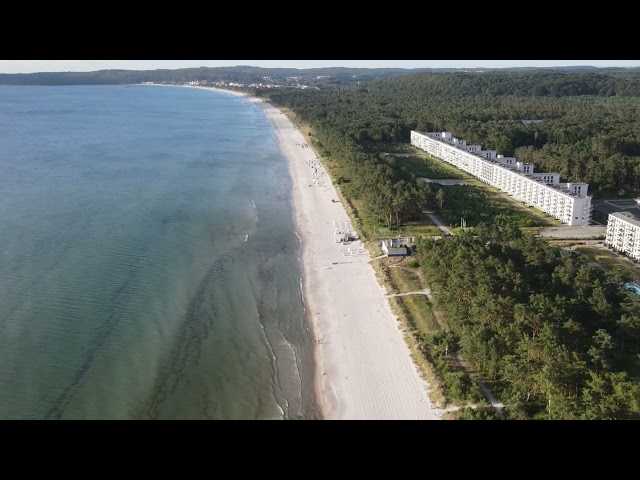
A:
632	287
148	258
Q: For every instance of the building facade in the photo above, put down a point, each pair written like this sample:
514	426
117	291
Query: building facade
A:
394	247
568	202
623	234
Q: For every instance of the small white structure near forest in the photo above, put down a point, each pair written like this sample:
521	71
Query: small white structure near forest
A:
393	247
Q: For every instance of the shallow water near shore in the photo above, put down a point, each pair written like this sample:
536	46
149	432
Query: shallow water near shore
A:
148	258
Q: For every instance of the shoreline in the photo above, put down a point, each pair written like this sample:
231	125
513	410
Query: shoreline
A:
363	366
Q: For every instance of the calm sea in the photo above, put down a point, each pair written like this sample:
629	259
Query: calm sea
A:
149	266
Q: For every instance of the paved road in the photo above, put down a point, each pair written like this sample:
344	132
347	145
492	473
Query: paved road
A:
612	206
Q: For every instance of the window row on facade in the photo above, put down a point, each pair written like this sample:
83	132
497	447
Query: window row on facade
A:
568	202
623	234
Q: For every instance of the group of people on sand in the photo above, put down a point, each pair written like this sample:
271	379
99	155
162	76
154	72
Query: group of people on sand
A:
303	145
318	172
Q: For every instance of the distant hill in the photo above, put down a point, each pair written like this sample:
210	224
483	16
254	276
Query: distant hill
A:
563	82
248	74
238	74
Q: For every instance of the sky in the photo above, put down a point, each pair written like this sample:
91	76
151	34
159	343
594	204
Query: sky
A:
30	66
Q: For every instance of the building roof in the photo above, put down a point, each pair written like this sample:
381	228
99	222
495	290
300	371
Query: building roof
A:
626	217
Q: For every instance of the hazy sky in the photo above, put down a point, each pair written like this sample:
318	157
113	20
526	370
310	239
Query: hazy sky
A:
28	66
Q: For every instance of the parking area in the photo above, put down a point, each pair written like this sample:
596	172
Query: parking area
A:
616	205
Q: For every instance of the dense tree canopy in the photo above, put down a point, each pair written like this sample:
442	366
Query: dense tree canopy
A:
558	336
590	129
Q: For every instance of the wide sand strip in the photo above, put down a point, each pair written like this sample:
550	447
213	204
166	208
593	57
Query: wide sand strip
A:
363	366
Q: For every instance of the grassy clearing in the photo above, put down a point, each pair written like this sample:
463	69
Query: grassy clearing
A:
404	278
419	350
407	280
425	167
478	205
439	168
421	312
410	229
500	200
608	259
506	201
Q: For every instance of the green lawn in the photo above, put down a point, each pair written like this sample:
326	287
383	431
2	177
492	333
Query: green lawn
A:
608	259
421	313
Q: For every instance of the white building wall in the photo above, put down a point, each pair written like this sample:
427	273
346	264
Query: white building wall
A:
623	234
577	187
524	167
569	205
509	161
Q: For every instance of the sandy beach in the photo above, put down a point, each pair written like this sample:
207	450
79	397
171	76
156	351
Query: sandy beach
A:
363	366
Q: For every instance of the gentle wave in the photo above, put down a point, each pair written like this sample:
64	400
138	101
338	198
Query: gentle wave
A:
127	289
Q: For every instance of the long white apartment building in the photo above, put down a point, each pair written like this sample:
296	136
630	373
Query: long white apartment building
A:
568	202
623	234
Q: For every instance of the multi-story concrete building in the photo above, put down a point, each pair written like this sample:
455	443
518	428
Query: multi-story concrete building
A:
568	202
623	233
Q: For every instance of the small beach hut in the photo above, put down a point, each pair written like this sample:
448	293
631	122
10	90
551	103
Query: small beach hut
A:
393	247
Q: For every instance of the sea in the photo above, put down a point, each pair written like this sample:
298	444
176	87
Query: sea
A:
149	263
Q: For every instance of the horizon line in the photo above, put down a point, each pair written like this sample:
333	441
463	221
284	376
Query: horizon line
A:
474	68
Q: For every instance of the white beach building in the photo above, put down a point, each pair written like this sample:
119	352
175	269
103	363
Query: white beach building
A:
568	202
393	247
623	234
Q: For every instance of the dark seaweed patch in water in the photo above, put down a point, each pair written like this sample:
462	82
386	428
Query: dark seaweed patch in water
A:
197	324
268	314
